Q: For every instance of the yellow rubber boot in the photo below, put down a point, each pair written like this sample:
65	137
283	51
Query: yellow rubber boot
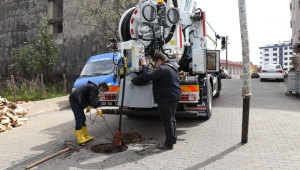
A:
85	134
79	136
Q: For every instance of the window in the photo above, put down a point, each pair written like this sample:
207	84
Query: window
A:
294	29
285	48
266	59
285	58
290	47
274	59
55	14
266	54
266	50
291	53
274	49
274	54
280	48
285	64
285	53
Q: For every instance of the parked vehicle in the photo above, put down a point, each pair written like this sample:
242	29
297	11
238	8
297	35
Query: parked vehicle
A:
156	26
255	75
100	68
272	72
225	74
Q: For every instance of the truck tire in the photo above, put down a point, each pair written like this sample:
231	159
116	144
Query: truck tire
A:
219	89
217	94
208	102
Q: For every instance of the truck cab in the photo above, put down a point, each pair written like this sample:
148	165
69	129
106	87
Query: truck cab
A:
100	68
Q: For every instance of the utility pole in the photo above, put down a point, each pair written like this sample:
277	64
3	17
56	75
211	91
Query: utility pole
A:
226	53
246	89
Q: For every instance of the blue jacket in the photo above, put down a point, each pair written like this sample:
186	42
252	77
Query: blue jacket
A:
166	85
86	95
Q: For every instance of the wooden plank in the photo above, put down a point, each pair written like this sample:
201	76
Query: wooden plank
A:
22	119
4	110
2	128
4	121
9	115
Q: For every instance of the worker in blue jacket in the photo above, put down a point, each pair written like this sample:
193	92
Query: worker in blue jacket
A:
81	98
166	93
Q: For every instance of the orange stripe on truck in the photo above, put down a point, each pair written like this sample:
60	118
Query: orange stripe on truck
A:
189	88
113	88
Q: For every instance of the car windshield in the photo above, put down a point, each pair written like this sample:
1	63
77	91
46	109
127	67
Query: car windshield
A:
272	66
97	68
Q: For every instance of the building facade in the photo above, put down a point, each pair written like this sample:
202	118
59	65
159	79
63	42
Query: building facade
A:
280	53
295	25
234	68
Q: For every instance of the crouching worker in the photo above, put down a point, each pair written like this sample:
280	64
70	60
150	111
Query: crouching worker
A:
82	97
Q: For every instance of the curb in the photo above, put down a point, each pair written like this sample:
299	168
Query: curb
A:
47	106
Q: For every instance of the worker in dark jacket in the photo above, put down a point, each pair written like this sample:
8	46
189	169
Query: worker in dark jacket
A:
81	98
166	93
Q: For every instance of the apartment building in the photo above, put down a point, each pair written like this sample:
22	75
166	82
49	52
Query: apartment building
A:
280	53
295	25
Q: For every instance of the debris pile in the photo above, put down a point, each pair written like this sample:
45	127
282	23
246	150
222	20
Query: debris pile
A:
11	115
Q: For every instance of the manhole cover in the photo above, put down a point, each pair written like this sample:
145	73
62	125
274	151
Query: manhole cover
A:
108	148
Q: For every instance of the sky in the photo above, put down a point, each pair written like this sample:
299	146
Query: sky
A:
268	23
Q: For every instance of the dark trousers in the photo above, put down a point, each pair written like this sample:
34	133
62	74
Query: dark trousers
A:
167	112
78	114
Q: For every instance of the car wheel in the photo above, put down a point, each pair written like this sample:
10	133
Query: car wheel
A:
261	80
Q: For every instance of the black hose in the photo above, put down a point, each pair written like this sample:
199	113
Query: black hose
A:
125	28
123	92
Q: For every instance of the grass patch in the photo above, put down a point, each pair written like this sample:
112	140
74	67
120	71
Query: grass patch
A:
32	90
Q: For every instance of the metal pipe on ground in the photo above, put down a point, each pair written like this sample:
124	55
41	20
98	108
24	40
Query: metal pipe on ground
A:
33	157
47	158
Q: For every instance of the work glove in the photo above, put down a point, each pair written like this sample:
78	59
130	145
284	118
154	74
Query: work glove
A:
99	112
88	109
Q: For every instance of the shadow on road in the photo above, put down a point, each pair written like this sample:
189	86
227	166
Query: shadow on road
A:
216	157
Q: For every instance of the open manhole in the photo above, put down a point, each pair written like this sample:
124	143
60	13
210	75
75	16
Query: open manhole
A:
127	138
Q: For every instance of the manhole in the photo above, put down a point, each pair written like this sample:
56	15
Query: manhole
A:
127	138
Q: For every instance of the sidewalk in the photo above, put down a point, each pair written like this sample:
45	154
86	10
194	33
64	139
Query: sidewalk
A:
46	106
273	142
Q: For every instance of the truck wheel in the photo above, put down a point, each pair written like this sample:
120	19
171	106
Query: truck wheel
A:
217	94
209	102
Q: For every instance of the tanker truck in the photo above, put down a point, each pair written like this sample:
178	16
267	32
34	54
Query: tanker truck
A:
184	35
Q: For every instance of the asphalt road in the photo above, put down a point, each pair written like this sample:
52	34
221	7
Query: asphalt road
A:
273	139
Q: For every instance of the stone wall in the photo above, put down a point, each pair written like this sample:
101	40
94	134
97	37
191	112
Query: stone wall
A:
18	21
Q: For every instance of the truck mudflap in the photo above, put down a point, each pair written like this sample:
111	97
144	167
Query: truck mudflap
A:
154	112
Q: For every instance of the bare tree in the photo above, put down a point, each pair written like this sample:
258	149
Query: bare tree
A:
104	16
